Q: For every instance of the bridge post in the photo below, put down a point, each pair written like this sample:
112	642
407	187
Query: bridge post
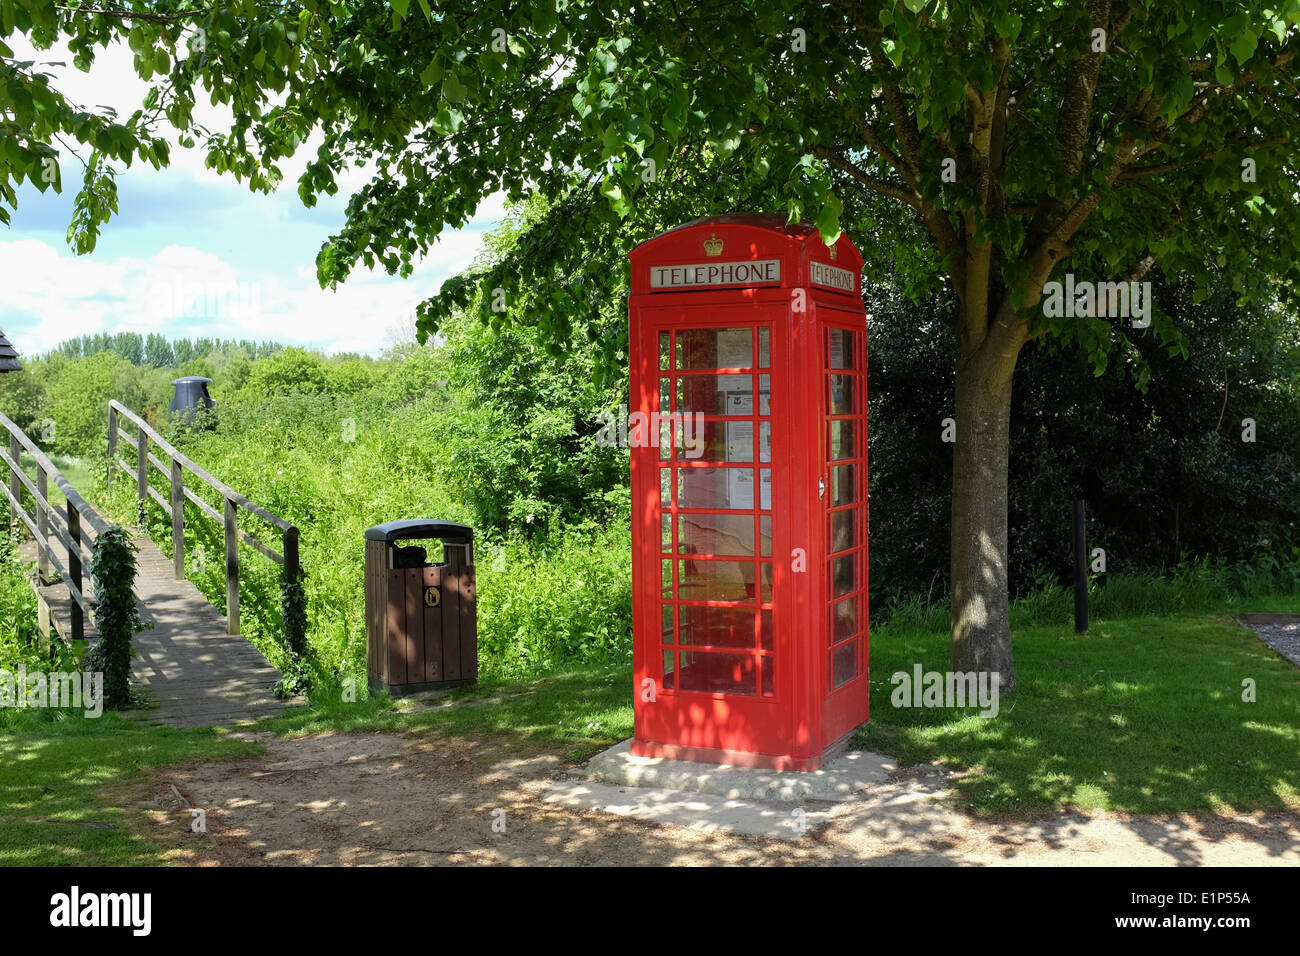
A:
74	572
15	486
43	619
142	466
178	520
232	570
112	446
42	524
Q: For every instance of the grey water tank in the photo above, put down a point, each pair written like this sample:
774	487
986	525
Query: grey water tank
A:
192	397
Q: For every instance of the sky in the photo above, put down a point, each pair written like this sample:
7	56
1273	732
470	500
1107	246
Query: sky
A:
193	253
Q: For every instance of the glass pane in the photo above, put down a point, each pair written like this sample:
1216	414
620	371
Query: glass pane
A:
703	441
844	526
666	579
764	441
716	581
715	534
844	484
842	441
685	432
718	673
844	573
715	488
715	394
765	536
765	489
668	671
841	349
716	348
765	635
842	390
764	394
844	619
765	581
668	624
666	533
764	348
666	487
769	678
665	440
665	356
844	664
665	394
717	626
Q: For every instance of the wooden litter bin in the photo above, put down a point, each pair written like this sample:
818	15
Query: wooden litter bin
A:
421	622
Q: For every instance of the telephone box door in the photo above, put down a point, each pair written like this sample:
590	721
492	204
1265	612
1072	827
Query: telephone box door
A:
712	499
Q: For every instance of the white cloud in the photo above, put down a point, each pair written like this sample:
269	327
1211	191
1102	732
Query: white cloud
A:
50	295
170	286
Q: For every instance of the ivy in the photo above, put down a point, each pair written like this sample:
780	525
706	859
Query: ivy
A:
297	676
117	618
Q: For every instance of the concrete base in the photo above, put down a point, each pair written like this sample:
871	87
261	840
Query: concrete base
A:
841	778
696	811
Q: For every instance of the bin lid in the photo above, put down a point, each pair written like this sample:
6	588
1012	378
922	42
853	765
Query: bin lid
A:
420	528
191	378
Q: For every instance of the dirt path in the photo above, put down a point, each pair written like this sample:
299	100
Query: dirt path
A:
421	799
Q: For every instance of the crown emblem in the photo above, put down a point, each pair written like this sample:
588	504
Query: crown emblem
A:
713	246
833	253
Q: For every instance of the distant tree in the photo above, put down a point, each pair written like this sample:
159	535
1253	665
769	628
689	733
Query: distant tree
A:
130	346
158	352
287	372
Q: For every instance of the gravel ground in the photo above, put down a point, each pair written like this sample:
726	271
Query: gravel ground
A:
1279	631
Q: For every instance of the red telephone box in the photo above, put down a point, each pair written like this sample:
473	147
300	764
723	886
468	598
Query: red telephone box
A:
749	531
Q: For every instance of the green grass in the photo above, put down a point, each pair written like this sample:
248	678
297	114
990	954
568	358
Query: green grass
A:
1142	715
78	471
581	710
53	811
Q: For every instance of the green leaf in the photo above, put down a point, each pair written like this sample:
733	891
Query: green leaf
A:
828	220
1008	25
1243	47
431	74
453	89
400	7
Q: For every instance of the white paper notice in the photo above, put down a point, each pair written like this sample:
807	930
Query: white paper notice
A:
735	348
740	488
740	441
837	348
741	402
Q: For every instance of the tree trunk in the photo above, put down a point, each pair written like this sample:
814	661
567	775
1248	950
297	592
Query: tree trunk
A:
981	625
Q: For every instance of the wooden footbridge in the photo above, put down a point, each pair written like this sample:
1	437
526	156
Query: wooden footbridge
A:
191	663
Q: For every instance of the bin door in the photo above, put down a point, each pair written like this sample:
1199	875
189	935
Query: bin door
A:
712	630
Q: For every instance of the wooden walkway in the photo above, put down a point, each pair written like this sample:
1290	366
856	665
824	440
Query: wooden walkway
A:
193	673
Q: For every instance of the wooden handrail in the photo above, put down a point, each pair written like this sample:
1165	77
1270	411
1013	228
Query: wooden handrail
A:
230	494
174	467
45	521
